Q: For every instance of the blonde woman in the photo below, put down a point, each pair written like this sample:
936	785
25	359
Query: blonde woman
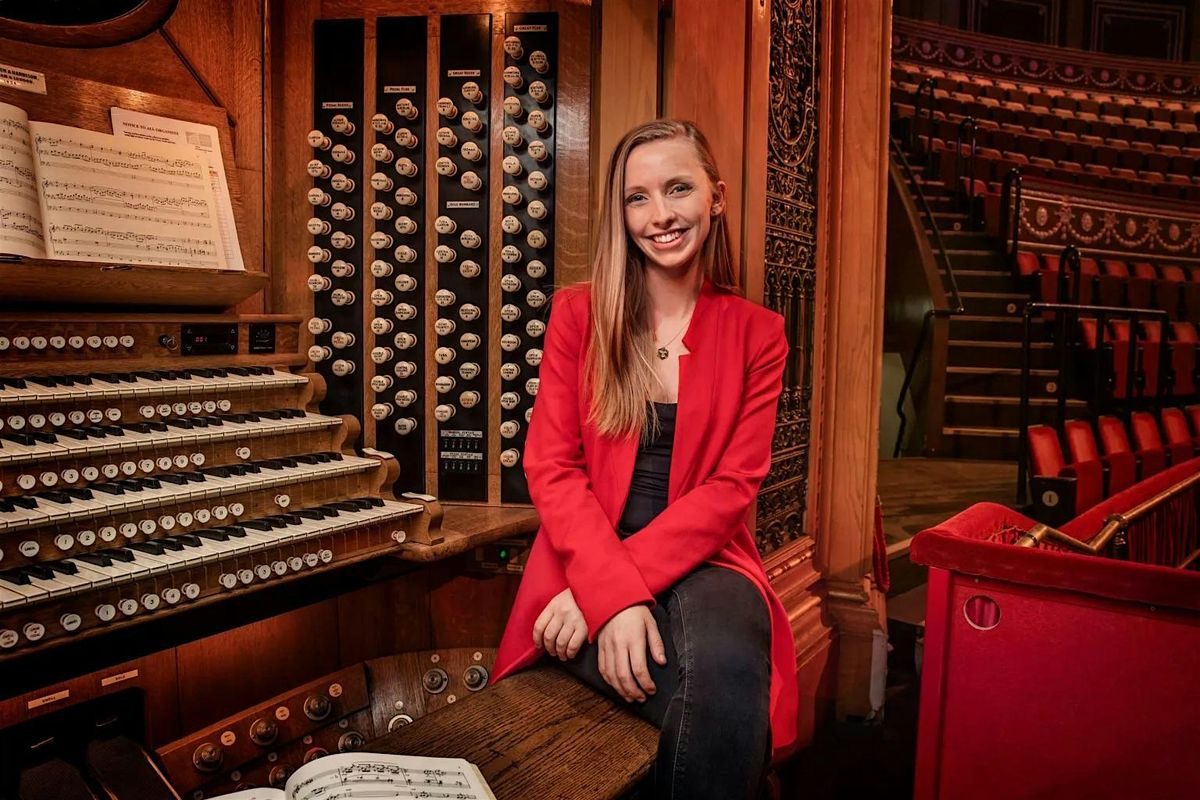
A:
650	437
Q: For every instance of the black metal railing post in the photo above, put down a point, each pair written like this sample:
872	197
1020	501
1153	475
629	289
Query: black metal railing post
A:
1010	217
955	305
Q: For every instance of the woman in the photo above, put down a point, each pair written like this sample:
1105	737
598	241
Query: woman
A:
649	439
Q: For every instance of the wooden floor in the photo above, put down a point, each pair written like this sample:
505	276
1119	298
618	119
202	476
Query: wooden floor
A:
918	493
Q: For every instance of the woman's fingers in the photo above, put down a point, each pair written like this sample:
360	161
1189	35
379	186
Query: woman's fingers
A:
552	629
577	640
627	655
637	662
539	627
654	638
562	640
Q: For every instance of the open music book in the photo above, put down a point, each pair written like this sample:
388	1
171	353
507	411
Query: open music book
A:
77	195
374	775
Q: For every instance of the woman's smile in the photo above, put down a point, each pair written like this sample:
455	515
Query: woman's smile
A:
669	240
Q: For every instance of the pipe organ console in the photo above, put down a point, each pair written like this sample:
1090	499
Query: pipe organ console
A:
233	541
136	480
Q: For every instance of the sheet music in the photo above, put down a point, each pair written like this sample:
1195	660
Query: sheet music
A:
20	217
253	794
373	775
202	139
123	201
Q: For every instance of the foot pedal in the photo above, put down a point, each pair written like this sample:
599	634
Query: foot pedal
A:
125	770
53	780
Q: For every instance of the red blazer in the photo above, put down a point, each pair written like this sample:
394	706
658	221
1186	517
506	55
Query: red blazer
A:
729	386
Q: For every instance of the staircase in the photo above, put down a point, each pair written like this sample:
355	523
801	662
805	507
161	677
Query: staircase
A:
983	373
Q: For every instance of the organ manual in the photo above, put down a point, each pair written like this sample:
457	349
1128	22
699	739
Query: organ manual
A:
77	195
374	775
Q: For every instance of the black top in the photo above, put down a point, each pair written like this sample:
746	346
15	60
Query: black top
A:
651	472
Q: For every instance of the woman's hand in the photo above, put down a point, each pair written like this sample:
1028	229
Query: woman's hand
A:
561	629
623	652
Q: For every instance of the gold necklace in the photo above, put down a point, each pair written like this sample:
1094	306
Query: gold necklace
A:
662	351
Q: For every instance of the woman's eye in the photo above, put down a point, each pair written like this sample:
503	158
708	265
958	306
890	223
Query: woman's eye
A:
632	198
682	186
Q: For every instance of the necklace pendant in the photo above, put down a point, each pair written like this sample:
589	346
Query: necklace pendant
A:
663	353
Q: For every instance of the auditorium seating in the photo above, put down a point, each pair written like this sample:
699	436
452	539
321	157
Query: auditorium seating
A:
1106	459
1137	144
966	131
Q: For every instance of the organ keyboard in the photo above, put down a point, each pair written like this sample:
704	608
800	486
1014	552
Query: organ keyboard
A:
137	480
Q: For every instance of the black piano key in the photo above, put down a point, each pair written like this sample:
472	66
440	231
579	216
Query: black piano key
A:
99	559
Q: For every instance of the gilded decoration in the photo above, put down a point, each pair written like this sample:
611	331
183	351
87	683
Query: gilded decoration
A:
790	270
1101	227
951	48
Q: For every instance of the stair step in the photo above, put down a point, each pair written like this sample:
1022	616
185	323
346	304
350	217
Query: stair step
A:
973	411
993	304
967	353
950	221
1002	382
973	258
965	239
1000	444
982	280
986	328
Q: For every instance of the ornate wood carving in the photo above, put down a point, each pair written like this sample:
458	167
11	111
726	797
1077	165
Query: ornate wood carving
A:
790	266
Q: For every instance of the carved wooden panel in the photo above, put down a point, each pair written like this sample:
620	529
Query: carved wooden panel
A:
790	267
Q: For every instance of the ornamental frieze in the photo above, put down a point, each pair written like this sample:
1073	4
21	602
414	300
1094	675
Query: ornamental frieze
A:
951	48
1100	226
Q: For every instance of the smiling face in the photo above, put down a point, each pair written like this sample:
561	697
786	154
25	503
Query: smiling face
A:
669	203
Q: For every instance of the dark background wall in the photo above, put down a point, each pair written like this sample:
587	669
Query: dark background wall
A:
1142	28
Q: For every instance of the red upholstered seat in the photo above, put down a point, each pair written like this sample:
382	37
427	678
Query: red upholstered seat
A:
1183	358
1180	441
1118	337
1138	291
1168	288
1149	356
1081	446
1122	463
1148	441
1086	478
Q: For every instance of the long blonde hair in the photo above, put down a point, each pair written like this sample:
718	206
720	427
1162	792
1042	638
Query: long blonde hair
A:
618	366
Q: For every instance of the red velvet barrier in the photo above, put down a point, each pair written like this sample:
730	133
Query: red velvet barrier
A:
1051	674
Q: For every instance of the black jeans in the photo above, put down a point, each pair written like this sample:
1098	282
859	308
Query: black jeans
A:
712	699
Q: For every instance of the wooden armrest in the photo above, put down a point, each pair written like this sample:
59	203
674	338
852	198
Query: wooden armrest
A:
537	735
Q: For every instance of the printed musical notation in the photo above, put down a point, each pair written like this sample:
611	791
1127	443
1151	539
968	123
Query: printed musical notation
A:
381	776
123	201
20	218
203	140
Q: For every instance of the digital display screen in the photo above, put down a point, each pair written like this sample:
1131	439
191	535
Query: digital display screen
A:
209	340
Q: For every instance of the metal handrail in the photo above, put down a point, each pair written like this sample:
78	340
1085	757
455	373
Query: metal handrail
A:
1114	525
958	162
1067	314
1010	221
1068	258
956	298
913	135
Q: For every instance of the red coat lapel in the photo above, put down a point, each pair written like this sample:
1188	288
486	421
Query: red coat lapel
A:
615	458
